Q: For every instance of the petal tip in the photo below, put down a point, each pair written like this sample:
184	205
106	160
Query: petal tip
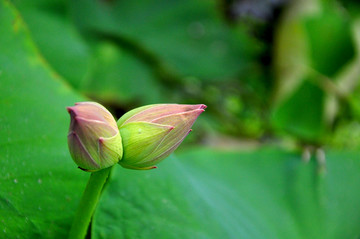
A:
70	109
202	107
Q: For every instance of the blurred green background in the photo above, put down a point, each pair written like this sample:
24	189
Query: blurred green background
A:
275	155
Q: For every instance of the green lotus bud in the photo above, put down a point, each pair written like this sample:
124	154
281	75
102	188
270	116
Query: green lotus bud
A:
151	133
94	139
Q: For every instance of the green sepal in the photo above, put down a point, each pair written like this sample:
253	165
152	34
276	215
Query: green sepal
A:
140	139
110	150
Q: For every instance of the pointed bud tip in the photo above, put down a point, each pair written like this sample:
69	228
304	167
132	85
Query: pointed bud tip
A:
69	109
203	107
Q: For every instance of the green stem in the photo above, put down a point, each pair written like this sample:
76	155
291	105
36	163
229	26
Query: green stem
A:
88	203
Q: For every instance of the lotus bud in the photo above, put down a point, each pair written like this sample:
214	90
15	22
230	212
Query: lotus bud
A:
94	139
151	133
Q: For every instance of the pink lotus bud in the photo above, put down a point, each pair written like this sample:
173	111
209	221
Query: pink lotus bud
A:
151	133
94	139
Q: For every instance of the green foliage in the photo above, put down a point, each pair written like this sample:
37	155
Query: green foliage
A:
316	67
129	53
176	32
211	194
304	110
38	184
330	40
173	51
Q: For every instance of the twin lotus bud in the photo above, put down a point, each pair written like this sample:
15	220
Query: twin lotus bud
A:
139	140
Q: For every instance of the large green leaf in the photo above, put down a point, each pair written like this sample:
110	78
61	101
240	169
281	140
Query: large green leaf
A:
187	37
57	39
39	183
96	67
213	194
